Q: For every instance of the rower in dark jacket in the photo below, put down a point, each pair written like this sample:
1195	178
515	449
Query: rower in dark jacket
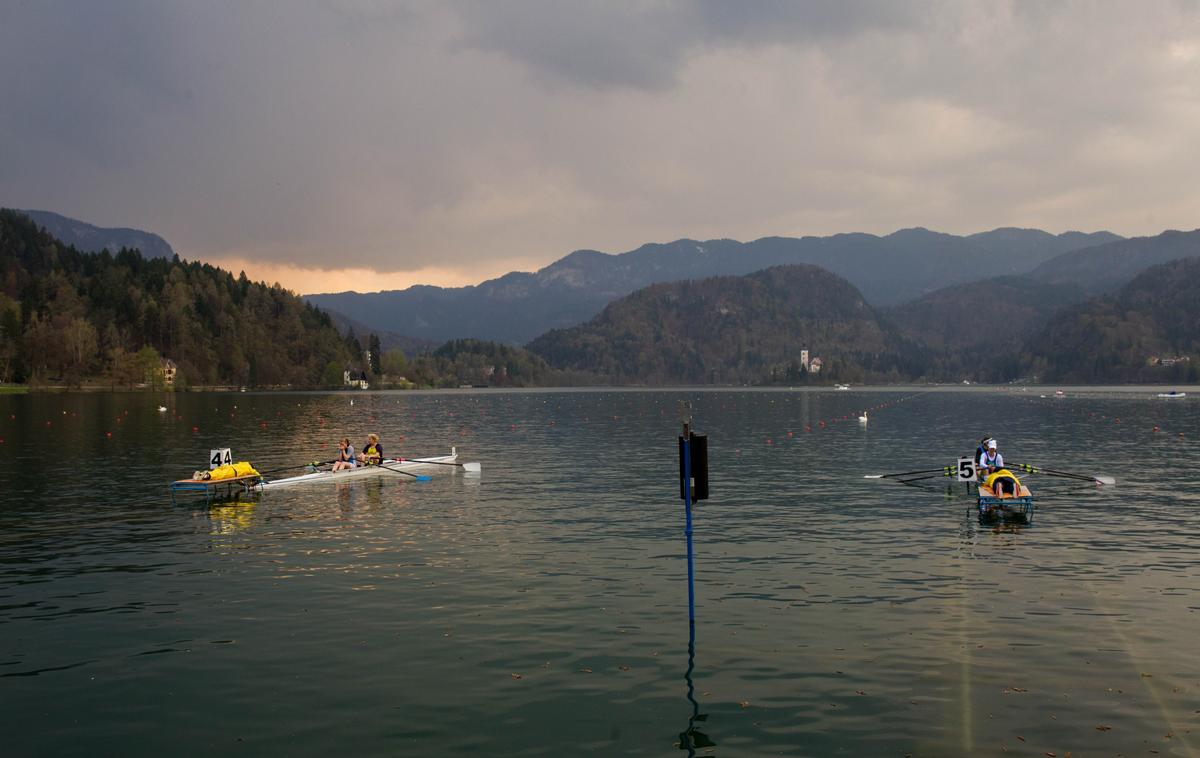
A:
372	452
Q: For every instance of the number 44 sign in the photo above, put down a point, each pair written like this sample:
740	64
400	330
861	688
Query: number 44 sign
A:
966	470
221	457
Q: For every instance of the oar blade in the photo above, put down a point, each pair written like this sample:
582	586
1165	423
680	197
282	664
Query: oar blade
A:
472	467
423	478
1105	480
874	476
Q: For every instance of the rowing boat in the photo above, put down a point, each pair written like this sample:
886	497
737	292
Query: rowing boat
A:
388	466
1172	395
993	505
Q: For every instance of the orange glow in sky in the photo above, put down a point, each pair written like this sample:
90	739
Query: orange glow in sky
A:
308	281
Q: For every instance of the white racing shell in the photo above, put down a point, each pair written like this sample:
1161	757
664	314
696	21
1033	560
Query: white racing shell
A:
389	467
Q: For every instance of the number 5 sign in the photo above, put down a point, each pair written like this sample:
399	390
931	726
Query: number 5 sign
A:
220	457
966	470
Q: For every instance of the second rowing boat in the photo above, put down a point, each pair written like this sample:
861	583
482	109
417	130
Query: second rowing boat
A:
389	465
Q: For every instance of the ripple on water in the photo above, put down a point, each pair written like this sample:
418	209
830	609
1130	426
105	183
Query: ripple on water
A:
540	608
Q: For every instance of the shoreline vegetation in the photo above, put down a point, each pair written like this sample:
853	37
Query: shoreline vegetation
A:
98	388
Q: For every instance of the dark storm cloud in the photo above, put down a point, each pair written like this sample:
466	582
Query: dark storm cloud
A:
643	45
73	72
476	136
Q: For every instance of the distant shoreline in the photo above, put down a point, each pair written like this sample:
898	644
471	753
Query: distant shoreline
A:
1016	389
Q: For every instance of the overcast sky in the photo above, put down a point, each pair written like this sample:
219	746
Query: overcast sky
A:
365	145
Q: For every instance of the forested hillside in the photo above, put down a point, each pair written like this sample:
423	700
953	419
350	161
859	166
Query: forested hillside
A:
976	330
733	330
1148	331
487	364
1104	268
69	316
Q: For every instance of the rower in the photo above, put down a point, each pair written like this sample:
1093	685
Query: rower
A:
372	452
979	451
991	460
346	457
1003	482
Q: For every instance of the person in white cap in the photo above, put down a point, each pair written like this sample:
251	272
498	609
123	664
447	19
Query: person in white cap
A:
991	461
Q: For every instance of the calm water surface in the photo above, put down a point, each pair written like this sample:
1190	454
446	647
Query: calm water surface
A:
540	608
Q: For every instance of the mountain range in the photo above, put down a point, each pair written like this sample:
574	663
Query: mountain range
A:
519	306
92	239
1103	268
1019	303
751	330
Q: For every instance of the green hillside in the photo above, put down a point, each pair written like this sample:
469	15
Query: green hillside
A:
976	330
71	316
733	330
1148	331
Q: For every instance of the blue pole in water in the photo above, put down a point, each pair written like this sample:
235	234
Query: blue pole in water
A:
687	508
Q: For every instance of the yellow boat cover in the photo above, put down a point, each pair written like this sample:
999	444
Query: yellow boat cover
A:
1002	473
241	468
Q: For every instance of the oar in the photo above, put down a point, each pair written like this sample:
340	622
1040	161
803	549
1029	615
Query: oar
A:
418	477
314	464
921	478
1065	474
943	470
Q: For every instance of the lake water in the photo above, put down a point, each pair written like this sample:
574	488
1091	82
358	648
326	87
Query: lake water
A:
540	608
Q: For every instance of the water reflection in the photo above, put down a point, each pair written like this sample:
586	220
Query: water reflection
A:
231	517
692	738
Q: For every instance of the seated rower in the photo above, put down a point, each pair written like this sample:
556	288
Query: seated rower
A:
991	461
347	457
982	448
372	452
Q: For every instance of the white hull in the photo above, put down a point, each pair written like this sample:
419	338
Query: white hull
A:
390	467
1172	395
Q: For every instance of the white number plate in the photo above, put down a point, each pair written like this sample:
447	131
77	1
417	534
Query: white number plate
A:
221	457
966	470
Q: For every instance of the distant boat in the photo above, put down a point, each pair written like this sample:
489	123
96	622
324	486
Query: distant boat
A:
1059	393
1172	394
162	409
841	386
